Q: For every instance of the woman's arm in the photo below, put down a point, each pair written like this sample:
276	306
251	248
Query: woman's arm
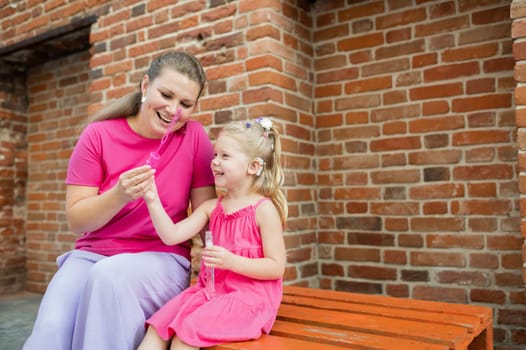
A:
201	194
272	265
87	210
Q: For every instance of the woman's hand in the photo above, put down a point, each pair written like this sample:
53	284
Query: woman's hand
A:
135	183
87	209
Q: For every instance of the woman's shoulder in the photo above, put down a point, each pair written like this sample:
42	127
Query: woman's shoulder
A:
196	136
194	127
108	122
102	125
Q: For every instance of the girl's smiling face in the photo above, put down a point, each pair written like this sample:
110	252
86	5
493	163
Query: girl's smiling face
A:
165	94
230	163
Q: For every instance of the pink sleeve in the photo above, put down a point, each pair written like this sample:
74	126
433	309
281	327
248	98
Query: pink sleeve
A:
84	166
204	153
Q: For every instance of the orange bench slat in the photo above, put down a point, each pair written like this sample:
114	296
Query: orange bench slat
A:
333	336
483	313
467	321
270	342
414	330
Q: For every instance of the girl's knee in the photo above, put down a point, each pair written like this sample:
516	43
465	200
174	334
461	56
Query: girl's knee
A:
152	340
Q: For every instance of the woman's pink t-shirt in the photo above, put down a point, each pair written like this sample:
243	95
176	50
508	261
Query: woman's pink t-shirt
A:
108	148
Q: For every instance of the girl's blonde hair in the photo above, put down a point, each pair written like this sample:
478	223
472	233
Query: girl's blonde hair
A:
261	139
130	104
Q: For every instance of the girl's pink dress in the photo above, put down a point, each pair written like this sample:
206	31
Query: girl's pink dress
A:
242	309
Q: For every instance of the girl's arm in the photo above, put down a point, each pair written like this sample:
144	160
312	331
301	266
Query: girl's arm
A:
169	232
272	265
197	197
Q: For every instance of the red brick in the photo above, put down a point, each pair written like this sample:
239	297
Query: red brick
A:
483	172
451	71
465	278
333	32
395	257
394	128
265	61
441	26
265	94
360	42
377	83
371	272
356	254
395	19
397	290
332	270
453	295
359	11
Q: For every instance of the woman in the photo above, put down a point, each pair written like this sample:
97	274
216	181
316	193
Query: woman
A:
120	271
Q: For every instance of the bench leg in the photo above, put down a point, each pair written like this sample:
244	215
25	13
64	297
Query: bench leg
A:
484	341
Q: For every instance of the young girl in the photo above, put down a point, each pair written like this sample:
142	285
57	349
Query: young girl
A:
248	256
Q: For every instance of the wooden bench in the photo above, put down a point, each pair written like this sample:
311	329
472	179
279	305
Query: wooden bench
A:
315	319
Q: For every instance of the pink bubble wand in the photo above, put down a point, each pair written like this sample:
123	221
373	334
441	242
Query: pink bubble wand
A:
155	156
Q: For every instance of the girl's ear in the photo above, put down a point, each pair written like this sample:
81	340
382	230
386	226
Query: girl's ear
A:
255	167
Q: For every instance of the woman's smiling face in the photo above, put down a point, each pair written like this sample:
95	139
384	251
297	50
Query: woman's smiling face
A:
164	95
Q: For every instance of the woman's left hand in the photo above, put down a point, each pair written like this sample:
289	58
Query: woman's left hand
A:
135	182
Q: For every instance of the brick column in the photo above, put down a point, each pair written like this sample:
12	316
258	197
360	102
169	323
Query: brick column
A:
518	33
13	179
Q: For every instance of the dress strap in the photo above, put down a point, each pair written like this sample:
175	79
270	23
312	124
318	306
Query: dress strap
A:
260	201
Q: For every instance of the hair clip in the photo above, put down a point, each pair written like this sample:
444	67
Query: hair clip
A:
266	124
261	163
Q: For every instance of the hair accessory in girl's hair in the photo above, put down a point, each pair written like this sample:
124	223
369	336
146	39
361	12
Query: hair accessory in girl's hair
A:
261	165
265	123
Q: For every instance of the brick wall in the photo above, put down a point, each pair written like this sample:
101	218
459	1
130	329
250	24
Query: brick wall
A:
13	177
58	103
418	190
518	13
398	120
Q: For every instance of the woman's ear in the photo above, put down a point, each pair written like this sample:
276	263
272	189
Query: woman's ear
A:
144	84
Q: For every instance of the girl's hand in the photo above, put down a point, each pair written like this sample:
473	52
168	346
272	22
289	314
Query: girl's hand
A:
217	256
135	183
151	194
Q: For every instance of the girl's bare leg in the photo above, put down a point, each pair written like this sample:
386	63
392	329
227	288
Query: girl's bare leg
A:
152	341
177	344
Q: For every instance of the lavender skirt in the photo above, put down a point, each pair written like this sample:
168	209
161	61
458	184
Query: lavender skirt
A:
96	302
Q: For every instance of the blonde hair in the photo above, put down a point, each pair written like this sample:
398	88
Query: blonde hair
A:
130	104
263	142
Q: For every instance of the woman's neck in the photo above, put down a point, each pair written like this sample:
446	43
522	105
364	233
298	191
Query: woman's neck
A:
134	123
